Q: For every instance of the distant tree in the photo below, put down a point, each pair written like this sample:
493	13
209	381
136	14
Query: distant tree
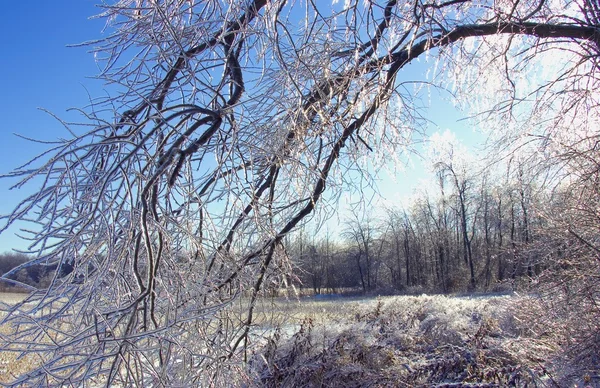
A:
361	235
231	120
10	260
451	164
397	254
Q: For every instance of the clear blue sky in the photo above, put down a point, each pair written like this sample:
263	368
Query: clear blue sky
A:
38	70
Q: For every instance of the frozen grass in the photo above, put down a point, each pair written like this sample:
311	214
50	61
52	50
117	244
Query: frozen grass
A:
10	364
408	341
404	341
12	297
17	364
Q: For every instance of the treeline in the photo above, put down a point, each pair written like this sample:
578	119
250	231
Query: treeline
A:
38	275
467	232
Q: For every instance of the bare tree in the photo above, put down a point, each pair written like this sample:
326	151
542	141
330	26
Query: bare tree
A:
361	234
231	119
450	162
397	256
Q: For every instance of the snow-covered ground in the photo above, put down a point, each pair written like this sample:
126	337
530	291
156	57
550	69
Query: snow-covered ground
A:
409	341
397	341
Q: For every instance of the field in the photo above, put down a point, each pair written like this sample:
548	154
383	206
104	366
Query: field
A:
9	363
12	297
485	341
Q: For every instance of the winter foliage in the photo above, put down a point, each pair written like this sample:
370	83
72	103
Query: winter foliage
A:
165	214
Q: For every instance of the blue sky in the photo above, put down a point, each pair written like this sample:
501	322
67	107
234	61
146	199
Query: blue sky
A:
38	70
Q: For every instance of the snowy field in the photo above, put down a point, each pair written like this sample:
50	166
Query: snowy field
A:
12	297
484	341
407	341
10	365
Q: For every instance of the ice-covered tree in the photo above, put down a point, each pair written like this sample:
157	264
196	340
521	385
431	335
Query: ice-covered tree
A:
230	122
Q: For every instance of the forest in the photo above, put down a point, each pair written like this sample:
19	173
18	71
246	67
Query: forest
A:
475	231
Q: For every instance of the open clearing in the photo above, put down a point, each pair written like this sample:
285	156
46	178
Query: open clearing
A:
10	364
407	341
12	297
391	341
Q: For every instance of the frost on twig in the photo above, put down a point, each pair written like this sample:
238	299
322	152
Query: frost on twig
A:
168	207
